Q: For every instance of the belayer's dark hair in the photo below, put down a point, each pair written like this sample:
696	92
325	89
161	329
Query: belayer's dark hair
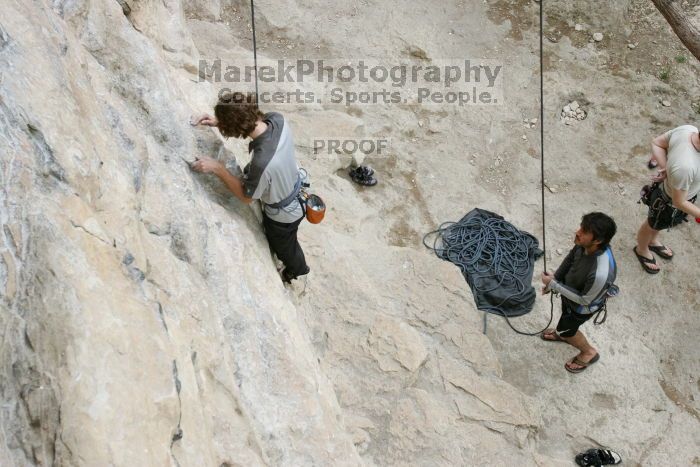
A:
237	113
601	225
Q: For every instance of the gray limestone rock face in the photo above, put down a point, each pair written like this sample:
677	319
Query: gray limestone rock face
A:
142	319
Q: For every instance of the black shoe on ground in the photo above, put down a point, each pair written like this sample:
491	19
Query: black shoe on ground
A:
363	176
363	171
598	458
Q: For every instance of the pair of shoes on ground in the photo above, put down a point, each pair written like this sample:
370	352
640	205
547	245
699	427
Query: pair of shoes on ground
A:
363	175
551	335
598	458
660	250
288	277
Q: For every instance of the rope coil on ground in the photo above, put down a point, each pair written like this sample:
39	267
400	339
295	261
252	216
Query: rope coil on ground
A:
492	254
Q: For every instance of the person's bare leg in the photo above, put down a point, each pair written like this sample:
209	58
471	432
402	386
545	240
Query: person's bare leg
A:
647	236
654	241
587	351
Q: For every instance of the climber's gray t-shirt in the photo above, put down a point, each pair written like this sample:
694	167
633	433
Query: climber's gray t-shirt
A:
273	170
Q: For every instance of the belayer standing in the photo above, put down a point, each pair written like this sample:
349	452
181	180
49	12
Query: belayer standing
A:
272	175
671	198
583	280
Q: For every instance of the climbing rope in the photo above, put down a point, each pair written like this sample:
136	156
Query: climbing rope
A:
480	246
488	251
544	217
255	51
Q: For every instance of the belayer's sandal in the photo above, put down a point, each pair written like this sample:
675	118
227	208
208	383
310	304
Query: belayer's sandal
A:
644	261
661	251
581	363
555	337
598	458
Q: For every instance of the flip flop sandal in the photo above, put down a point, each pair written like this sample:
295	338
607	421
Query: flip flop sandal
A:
363	180
551	332
661	251
580	363
644	261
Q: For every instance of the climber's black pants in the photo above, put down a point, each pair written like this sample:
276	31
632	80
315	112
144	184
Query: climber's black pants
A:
283	242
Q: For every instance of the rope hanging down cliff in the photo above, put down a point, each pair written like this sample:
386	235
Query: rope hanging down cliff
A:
255	50
495	257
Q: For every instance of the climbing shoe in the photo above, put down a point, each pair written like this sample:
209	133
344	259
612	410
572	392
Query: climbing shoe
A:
598	457
363	175
288	277
363	170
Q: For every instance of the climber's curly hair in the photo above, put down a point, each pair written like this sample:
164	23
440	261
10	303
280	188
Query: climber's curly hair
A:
237	113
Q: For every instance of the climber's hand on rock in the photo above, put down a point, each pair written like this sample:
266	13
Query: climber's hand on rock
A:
206	165
204	119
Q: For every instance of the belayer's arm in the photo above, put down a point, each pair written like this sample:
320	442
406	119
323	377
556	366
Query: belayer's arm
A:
594	287
659	148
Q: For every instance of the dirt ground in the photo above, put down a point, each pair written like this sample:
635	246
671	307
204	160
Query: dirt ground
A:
641	399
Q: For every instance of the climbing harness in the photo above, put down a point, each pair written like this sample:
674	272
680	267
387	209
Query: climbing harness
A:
601	314
313	207
658	201
289	199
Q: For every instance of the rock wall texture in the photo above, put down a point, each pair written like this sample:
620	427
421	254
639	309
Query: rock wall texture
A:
143	319
143	322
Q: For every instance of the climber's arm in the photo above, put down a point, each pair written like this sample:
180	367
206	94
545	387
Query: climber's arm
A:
234	184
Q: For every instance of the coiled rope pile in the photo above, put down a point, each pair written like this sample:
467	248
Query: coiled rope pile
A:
495	258
480	246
